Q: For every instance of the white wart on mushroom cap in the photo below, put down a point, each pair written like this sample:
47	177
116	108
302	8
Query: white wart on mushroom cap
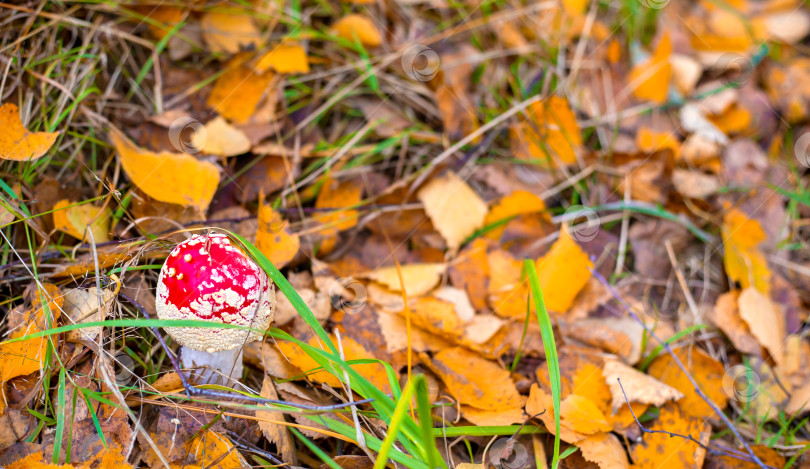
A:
208	278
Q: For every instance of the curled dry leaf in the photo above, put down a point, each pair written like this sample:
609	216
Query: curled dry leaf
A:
74	220
83	306
454	208
357	27
176	178
638	386
417	279
726	316
16	142
271	424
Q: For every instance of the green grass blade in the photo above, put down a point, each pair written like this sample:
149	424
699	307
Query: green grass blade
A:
61	415
547	332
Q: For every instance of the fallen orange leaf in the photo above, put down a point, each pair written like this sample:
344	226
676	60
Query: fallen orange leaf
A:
229	33
274	239
551	135
357	27
284	58
660	448
16	142
563	272
707	372
177	178
745	263
344	196
239	90
582	415
650	79
513	205
75	220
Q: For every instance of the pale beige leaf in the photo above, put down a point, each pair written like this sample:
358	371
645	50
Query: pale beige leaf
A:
454	208
417	279
221	138
765	320
83	306
639	387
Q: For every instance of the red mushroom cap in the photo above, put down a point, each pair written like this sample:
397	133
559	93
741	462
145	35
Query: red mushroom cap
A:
208	278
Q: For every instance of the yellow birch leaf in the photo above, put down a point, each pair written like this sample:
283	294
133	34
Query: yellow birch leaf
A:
744	261
650	79
649	141
212	450
221	138
563	272
551	136
16	142
659	450
418	279
707	372
605	450
74	220
512	205
344	197
582	415
358	27
239	90
176	178
454	208
475	381
229	33
284	58
574	7
274	239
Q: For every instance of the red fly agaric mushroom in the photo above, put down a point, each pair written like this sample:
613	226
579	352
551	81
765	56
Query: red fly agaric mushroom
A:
208	278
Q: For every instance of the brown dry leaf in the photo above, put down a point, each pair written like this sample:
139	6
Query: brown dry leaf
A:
271	426
745	263
357	27
605	450
470	271
176	178
765	320
475	381
660	448
695	184
230	32
551	135
14	425
620	336
650	79
346	196
706	371
239	90
274	239
82	306
16	142
454	208
287	57
457	109
352	350
726	316
563	272
221	138
639	387
417	279
582	415
268	357
74	220
513	205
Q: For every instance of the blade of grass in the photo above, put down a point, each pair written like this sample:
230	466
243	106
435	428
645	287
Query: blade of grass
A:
550	347
60	417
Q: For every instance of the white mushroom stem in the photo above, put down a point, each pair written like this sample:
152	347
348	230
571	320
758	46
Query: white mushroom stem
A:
223	367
